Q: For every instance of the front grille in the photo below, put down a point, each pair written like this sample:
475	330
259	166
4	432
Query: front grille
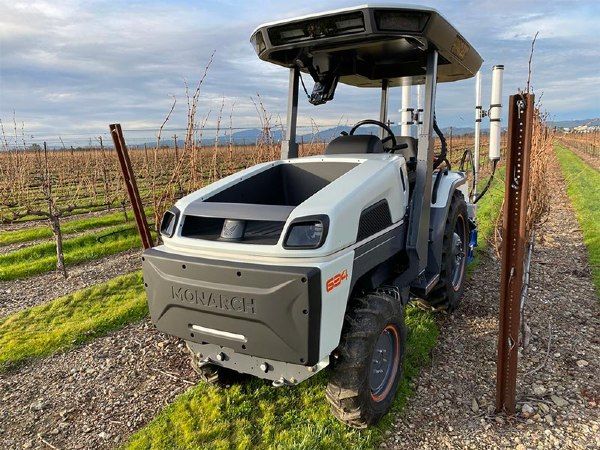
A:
373	219
261	232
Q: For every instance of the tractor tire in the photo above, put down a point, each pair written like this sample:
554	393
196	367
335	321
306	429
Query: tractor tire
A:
363	383
449	290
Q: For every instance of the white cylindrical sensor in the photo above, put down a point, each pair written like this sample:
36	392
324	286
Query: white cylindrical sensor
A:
419	115
496	112
406	117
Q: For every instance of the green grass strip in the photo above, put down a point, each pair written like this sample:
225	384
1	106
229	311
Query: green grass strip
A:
68	227
41	258
255	415
583	188
488	208
71	320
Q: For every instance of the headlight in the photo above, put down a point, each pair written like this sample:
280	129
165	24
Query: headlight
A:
168	222
258	42
307	232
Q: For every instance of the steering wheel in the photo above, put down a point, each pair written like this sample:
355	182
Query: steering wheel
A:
389	137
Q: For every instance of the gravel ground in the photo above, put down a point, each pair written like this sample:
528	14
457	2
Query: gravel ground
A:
558	391
95	396
20	294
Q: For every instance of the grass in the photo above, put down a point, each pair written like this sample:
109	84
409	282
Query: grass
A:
68	227
41	258
583	188
71	320
254	415
488	208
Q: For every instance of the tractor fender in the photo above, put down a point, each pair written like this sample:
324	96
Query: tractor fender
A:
447	184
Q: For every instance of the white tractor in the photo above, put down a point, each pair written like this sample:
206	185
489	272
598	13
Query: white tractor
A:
292	266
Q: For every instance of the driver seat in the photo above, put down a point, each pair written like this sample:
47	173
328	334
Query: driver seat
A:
358	143
410	152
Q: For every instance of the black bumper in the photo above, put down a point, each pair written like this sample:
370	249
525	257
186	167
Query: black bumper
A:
266	311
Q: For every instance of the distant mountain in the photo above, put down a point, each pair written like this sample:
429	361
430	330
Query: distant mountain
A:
574	123
252	135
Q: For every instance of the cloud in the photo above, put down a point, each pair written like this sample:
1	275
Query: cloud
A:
551	27
70	67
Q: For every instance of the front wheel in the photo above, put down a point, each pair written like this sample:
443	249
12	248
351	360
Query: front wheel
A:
370	360
449	290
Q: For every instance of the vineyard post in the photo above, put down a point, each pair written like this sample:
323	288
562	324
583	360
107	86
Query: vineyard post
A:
132	189
514	239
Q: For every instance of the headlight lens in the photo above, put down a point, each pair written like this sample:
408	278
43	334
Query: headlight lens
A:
306	233
167	225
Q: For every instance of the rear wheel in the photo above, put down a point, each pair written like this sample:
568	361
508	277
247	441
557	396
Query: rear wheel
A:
449	290
370	360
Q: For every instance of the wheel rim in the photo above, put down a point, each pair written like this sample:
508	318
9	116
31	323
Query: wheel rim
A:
458	253
384	363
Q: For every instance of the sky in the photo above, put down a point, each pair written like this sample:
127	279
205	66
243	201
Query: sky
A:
68	68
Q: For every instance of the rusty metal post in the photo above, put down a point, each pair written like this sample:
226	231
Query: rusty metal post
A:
514	240
132	190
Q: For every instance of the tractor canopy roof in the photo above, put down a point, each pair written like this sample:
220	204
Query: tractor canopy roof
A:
366	44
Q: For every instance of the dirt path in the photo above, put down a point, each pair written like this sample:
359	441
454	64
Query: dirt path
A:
95	396
20	294
558	391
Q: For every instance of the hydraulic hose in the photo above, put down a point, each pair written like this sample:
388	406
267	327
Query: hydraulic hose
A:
442	156
489	182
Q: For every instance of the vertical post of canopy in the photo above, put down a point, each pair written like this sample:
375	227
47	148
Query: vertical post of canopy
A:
289	146
384	106
418	229
478	116
407	110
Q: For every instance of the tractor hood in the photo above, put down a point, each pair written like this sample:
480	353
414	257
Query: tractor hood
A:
303	207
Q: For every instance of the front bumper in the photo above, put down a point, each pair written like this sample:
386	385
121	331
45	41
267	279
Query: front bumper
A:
260	310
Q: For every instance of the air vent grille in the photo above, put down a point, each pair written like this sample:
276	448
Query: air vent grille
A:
373	219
